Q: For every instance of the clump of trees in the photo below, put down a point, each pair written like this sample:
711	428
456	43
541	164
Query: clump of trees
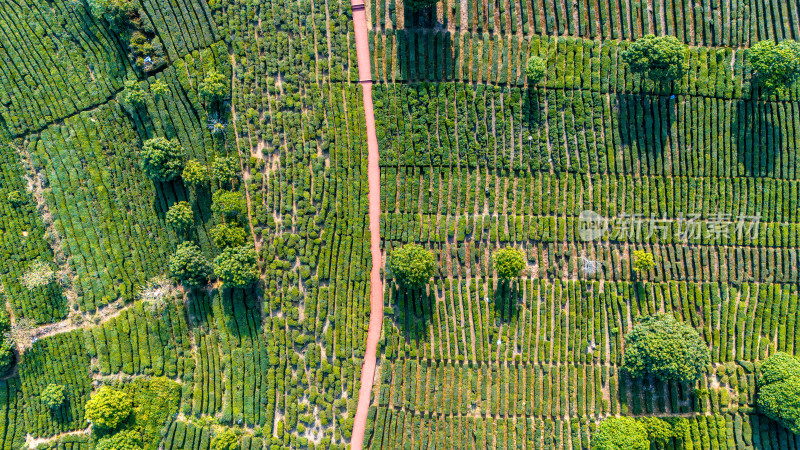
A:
775	66
237	266
412	265
109	408
661	58
162	159
535	69
669	350
189	266
779	390
509	263
620	433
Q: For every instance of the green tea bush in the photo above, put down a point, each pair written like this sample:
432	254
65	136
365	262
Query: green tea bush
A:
237	266
162	159
509	263
670	350
189	266
620	433
108	408
412	265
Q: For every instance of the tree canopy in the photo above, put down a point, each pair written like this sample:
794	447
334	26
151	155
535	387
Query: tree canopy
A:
620	433
214	86
535	69
775	66
194	173
227	203
663	347
237	266
643	261
226	440
779	390
412	265
228	235
108	408
188	265
661	58
509	263
122	440
53	395
162	159
180	215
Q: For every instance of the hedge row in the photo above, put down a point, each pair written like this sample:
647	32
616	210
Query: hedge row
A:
709	23
12	413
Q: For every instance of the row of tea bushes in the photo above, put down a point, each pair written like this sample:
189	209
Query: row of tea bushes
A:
705	23
580	321
12	415
181	25
452	124
438	56
62	360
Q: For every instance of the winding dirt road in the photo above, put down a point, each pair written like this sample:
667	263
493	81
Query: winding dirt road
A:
374	179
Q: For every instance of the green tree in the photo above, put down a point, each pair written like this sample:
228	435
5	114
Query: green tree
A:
194	173
228	235
779	390
180	215
643	261
227	203
620	433
6	355
189	266
659	431
412	265
775	66
226	440
535	69
123	440
133	94
668	349
53	395
159	88
214	86
225	169
15	199
237	266
661	58
108	408
162	159
509	263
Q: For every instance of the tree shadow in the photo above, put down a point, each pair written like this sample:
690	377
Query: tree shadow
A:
645	120
424	17
506	299
425	55
242	309
413	312
757	136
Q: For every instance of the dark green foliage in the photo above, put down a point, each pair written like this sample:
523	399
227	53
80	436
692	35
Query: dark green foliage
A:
108	408
662	58
155	401
14	198
214	86
180	215
509	263
620	433
122	440
159	88
194	173
53	395
228	204
226	440
189	266
535	69
6	355
775	66
412	265
133	94
225	170
779	390
162	159
237	266
670	350
228	235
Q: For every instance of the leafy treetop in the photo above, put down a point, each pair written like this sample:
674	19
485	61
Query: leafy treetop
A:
189	266
180	215
620	433
237	266
775	65
108	408
643	261
214	86
53	395
194	173
162	159
779	390
122	440
661	58
665	348
535	69
509	263
412	265
227	203
228	235
226	440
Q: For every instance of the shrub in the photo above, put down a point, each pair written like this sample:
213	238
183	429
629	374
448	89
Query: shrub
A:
775	66
123	440
226	440
180	215
189	266
53	395
779	390
39	274
133	94
227	203
535	69
509	263
15	199
214	86
662	58
412	265
225	169
665	348
237	266
228	235
108	408
194	173
643	261
162	159
159	88
620	433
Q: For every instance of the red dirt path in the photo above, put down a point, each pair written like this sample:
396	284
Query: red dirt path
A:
374	177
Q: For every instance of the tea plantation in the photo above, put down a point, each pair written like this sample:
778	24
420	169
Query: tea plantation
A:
185	224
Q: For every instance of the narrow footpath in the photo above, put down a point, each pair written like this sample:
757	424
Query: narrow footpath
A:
374	179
